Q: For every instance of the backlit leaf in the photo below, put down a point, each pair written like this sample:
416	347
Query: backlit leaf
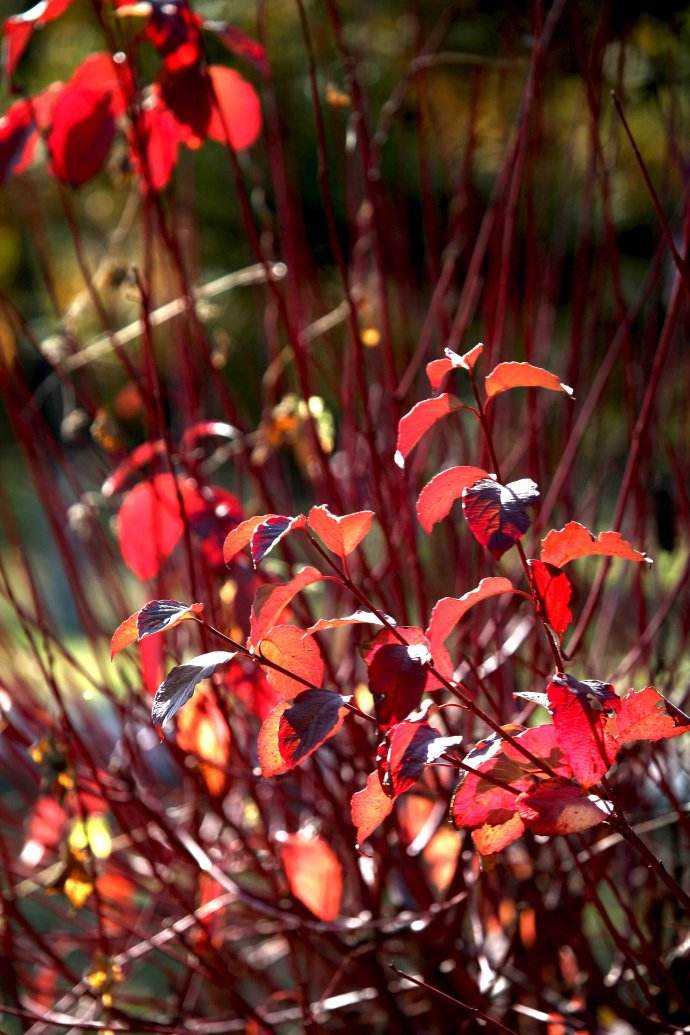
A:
18	30
555	589
496	514
554	808
288	646
203	731
356	618
153	617
567	544
270	759
241	536
449	610
149	525
407	749
271	601
270	532
236	111
81	134
369	807
521	375
579	718
397	677
180	683
420	419
646	715
314	874
492	838
312	717
343	534
438	495
437	370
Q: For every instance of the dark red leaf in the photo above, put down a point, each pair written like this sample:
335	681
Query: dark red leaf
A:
414	636
407	749
496	514
81	134
579	718
567	544
438	496
397	677
240	536
19	131
239	43
312	717
174	30
555	589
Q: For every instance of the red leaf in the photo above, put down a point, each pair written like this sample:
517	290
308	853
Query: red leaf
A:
312	718
438	368
343	534
151	658
140	457
555	590
438	496
149	525
288	646
174	30
180	683
407	749
19	131
239	43
449	610
646	715
579	720
105	74
521	375
271	601
211	512
314	874
496	513
419	420
154	617
81	134
369	807
236	111
397	677
241	536
159	138
567	544
554	808
18	30
270	532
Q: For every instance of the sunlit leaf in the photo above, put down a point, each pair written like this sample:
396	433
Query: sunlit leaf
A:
567	544
555	589
271	601
436	499
521	375
449	610
554	808
153	617
497	514
397	678
299	653
578	708
180	683
342	534
420	419
369	807
646	715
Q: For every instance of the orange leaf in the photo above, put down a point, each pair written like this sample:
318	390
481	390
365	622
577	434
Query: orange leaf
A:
567	544
369	807
343	534
314	874
270	601
438	368
270	758
240	536
646	715
490	839
521	375
449	610
288	646
438	496
419	420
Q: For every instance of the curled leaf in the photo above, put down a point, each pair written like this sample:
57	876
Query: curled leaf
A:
555	589
154	617
521	375
180	683
407	749
269	533
437	370
420	419
449	610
